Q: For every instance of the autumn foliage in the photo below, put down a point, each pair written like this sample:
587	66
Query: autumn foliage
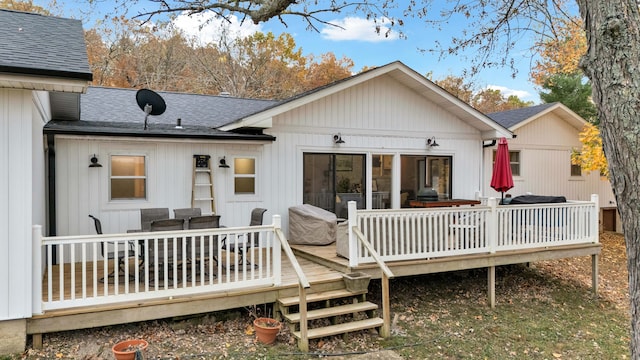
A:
591	156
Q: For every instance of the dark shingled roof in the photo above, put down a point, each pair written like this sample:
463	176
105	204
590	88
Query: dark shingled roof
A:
115	112
511	118
36	44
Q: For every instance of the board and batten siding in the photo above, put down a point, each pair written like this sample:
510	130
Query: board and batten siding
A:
380	116
81	190
20	207
545	146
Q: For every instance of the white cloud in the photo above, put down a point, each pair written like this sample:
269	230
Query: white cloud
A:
506	92
355	28
206	27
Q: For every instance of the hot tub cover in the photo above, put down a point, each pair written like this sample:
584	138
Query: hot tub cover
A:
537	199
311	225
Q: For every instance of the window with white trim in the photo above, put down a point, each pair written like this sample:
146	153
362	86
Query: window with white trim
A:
514	160
128	177
244	176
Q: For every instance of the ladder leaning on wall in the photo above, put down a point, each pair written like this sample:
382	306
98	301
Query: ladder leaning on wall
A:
202	195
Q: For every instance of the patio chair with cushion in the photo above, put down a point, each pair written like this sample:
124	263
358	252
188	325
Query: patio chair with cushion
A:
127	251
243	242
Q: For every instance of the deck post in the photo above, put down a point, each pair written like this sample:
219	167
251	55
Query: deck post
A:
595	218
492	225
36	275
594	274
277	252
386	307
303	343
491	274
353	242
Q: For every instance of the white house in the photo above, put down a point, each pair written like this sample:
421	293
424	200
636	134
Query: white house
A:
368	138
41	59
540	152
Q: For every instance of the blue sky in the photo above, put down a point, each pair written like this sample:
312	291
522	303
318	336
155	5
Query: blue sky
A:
357	41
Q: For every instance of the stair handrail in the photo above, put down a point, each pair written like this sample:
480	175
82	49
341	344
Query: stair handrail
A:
303	285
384	269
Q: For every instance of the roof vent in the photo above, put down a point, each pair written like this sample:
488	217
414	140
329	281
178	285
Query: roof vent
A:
179	123
225	93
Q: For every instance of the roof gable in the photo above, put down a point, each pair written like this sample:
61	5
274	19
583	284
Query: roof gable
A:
401	73
33	44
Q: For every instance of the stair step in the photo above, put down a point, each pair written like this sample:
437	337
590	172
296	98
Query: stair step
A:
332	311
342	328
320	296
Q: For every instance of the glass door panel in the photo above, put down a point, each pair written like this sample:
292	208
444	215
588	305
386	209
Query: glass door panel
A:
381	171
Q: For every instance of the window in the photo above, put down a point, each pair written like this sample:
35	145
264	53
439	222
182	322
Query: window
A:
128	177
514	159
244	176
576	170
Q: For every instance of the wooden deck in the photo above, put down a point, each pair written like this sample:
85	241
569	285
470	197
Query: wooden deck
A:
326	255
323	268
321	278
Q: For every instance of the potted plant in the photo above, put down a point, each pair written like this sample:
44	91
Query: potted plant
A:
266	329
129	349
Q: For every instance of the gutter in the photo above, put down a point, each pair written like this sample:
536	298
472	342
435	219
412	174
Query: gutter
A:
50	174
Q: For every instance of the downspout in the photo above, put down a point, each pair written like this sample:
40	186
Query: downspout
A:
51	192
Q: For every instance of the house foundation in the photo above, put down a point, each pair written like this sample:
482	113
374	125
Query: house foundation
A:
14	336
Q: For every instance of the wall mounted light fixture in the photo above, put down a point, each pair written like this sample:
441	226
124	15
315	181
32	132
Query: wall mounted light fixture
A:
337	139
432	141
223	163
94	162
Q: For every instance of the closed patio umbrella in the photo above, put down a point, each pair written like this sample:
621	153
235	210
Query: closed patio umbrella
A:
502	179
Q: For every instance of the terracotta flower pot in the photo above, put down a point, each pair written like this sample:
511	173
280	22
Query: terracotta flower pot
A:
126	350
266	329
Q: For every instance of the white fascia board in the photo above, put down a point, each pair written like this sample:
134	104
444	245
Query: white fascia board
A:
43	83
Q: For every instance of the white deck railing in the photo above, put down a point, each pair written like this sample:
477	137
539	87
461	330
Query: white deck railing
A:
82	277
410	234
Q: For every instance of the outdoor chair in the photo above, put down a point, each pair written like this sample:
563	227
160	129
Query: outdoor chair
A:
244	242
168	250
186	213
126	252
149	215
204	247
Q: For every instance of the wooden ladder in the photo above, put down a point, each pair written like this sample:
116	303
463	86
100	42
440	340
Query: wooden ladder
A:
202	185
347	311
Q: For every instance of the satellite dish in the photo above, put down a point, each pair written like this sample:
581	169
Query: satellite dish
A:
151	103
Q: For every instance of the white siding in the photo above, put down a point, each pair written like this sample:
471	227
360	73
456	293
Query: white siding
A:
377	117
545	146
18	138
81	190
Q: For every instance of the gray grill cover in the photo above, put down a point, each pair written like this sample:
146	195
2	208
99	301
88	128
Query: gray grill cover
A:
311	225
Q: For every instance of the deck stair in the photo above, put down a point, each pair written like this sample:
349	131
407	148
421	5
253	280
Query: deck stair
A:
346	311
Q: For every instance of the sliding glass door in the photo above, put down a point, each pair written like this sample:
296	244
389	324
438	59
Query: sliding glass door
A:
424	172
331	180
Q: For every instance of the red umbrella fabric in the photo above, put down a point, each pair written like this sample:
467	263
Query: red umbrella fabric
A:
502	179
